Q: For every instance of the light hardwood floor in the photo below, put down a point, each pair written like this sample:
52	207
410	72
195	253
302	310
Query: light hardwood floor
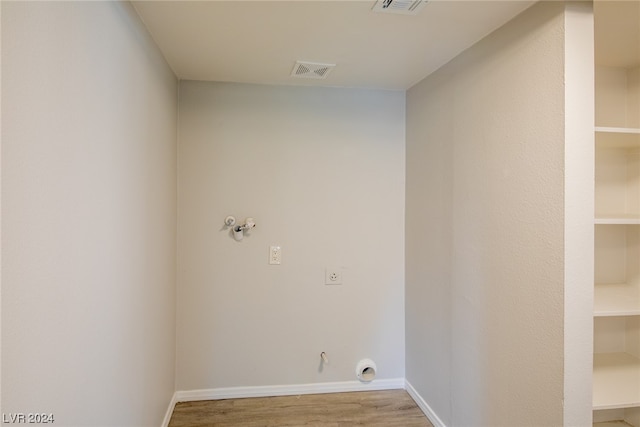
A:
389	408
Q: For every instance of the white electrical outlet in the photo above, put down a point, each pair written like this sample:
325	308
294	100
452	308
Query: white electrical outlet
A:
333	276
275	255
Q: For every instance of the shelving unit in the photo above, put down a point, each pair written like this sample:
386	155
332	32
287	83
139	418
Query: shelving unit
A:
619	299
616	361
616	381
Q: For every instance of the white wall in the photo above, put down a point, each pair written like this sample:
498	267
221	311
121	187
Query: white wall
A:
322	172
485	223
89	127
1	411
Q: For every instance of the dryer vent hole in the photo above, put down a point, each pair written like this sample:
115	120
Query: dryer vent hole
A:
368	374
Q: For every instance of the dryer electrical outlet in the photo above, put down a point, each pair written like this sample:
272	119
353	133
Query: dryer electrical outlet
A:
333	276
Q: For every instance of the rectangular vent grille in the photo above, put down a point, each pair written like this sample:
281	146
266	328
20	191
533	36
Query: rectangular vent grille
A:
311	70
403	7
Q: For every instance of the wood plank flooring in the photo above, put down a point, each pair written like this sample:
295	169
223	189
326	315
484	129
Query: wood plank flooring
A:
389	408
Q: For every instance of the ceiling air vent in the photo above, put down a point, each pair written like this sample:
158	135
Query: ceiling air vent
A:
403	7
311	70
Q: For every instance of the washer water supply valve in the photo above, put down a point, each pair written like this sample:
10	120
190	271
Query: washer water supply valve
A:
239	230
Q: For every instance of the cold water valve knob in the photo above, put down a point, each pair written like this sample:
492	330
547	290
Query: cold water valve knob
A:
229	221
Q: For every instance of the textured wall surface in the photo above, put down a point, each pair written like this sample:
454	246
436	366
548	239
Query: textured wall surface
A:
89	125
322	172
484	245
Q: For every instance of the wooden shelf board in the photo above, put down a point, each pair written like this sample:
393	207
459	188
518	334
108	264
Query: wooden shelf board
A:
607	129
618	219
607	137
619	423
616	300
612	424
616	381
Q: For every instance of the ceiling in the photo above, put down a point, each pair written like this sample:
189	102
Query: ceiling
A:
260	41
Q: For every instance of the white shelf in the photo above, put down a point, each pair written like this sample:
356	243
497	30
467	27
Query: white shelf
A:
618	219
616	304
616	381
612	424
616	300
606	129
609	137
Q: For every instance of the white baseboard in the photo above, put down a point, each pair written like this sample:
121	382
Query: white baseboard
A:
287	390
167	415
426	409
